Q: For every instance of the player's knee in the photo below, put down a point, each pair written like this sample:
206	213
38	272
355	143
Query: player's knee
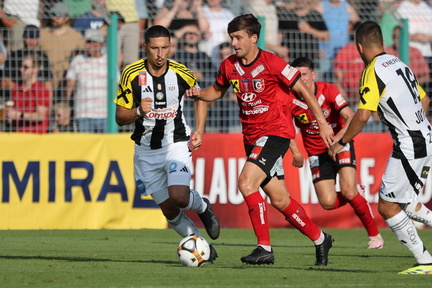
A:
328	205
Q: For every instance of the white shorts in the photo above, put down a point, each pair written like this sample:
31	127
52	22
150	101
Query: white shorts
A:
155	172
404	179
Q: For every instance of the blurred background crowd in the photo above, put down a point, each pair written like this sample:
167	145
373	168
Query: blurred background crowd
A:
53	54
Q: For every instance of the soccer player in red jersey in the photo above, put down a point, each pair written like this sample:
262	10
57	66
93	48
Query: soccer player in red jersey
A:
261	81
324	169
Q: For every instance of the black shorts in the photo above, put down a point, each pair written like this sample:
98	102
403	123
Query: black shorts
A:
323	167
267	153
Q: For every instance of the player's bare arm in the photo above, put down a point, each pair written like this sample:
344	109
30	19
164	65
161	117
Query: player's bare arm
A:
326	132
125	116
200	108
347	114
298	159
209	94
355	127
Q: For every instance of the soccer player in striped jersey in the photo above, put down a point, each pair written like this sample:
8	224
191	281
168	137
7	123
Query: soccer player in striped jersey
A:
150	94
390	87
324	170
261	81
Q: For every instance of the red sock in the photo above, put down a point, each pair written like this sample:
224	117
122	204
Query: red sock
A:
340	201
362	210
258	216
297	217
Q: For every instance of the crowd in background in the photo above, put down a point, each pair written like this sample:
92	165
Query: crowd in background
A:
53	60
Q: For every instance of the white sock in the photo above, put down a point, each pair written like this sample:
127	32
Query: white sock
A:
407	234
196	202
320	240
266	247
183	225
423	215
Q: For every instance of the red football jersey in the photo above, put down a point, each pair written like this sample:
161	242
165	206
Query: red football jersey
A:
262	93
331	102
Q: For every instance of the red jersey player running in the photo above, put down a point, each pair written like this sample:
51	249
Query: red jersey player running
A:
261	81
324	169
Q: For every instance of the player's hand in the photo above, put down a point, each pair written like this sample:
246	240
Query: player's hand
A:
334	149
145	105
196	140
298	161
193	93
326	133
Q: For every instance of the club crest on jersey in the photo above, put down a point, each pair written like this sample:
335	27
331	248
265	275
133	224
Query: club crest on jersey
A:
159	95
171	87
142	78
258	85
326	112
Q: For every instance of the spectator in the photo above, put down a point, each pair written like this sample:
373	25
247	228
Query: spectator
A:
86	81
31	99
347	67
176	14
273	39
198	61
419	16
417	62
338	16
387	19
223	114
95	18
143	17
16	14
72	42
302	28
190	55
129	35
62	122
77	7
12	73
173	46
218	17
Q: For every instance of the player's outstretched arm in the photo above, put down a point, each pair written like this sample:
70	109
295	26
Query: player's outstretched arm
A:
200	108
209	94
355	127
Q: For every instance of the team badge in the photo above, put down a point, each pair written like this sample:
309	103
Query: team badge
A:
159	95
142	78
258	85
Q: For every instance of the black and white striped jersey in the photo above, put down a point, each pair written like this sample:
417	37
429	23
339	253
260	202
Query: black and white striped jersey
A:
389	86
165	123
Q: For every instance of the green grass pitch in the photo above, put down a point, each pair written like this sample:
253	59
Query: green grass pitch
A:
147	258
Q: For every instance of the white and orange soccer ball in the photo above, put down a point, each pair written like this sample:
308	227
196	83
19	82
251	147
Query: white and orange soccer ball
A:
193	251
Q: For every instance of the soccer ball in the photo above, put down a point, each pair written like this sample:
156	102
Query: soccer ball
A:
193	251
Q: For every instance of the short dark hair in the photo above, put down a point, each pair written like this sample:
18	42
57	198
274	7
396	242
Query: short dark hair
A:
156	31
247	22
369	34
303	62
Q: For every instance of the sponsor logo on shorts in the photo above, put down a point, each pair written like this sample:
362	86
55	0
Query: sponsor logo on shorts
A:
425	172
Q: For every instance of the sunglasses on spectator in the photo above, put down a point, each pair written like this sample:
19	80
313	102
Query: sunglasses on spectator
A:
25	67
